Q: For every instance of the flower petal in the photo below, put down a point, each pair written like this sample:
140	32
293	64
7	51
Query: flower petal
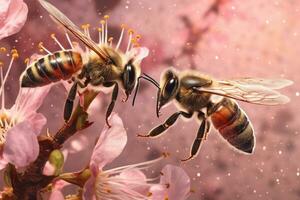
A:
15	18
89	189
37	122
136	180
30	99
178	181
21	146
110	144
138	53
4	5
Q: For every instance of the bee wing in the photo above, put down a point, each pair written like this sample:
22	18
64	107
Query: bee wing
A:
59	17
250	90
269	83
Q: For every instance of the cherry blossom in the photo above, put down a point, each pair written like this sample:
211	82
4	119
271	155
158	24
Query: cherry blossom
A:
13	15
21	124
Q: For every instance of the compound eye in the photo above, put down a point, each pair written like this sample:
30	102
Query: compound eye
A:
171	87
129	77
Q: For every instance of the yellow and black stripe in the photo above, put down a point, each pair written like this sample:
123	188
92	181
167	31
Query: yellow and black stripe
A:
52	68
234	125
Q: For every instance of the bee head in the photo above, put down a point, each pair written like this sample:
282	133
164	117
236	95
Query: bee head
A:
131	70
168	89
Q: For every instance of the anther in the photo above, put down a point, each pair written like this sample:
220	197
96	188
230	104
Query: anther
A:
26	61
102	22
130	31
2	49
99	30
123	26
14	53
165	154
106	17
138	37
149	194
52	35
1	63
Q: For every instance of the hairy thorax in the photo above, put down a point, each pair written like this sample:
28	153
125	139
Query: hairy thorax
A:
192	100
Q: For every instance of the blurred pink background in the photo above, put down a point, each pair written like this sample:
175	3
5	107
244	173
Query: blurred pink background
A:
223	38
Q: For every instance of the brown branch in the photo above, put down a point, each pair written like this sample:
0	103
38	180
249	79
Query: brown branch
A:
28	184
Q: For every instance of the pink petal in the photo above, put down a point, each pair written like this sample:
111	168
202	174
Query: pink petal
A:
89	189
178	180
158	192
37	121
4	5
21	146
110	144
15	18
139	53
30	99
136	180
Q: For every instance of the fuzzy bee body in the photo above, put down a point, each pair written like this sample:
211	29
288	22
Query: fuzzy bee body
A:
60	65
101	64
214	101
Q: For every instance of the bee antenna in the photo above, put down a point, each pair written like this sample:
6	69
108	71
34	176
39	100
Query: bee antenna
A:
147	78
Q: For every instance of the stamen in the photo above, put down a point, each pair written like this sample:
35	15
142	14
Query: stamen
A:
100	33
110	41
102	22
138	165
86	29
14	55
130	32
123	26
42	48
57	42
69	40
106	17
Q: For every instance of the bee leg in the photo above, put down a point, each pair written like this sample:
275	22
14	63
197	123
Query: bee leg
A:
169	122
112	103
70	102
202	132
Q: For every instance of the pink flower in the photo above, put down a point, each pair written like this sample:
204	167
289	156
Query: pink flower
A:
21	124
127	182
174	184
13	14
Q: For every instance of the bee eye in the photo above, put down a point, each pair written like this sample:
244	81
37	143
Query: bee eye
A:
171	87
129	76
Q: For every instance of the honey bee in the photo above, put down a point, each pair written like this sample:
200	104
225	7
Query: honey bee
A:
101	65
214	101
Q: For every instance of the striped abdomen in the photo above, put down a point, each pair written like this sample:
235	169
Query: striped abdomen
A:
234	126
52	68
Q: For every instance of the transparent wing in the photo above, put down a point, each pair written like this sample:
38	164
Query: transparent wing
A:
269	83
251	90
70	26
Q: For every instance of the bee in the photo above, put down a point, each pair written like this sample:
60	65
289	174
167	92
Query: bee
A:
101	66
214	101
